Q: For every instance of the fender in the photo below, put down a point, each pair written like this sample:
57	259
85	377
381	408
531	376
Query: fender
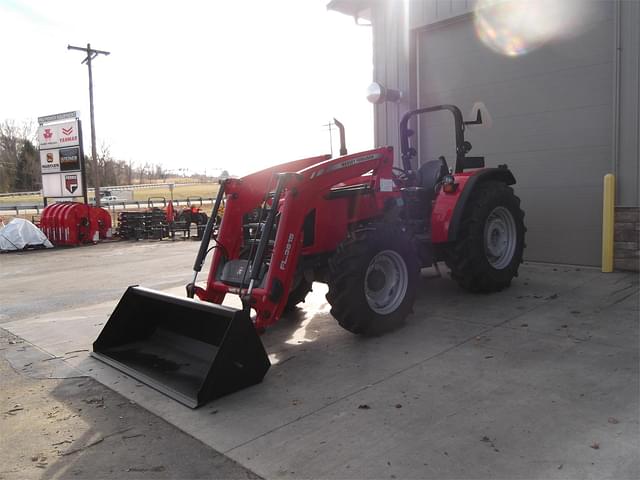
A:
449	208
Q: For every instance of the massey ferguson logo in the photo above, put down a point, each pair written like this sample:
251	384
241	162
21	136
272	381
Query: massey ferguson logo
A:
344	164
71	183
67	131
47	134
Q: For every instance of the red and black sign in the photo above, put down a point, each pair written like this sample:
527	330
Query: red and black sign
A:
71	183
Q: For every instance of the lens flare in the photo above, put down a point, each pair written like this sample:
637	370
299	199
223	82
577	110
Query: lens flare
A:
517	27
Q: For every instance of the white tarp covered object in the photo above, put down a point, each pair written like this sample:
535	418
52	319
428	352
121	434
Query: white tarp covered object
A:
20	233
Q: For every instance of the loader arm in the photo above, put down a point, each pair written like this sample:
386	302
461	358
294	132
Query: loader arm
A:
241	196
300	192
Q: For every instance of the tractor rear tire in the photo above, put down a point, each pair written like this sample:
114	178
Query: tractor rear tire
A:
373	278
488	252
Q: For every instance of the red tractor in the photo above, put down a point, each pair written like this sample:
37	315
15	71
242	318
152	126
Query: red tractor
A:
357	223
192	213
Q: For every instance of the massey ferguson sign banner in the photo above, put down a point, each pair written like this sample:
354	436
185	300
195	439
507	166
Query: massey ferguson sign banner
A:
61	155
59	135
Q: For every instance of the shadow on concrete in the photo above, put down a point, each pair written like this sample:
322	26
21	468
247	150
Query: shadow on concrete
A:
115	438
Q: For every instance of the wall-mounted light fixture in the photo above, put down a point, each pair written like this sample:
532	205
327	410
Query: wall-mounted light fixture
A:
376	93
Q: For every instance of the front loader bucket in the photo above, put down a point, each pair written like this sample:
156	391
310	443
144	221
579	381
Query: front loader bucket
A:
191	351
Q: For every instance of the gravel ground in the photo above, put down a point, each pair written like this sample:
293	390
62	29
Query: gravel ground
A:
75	427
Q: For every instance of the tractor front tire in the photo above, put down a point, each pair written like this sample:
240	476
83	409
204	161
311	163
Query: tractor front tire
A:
488	252
373	278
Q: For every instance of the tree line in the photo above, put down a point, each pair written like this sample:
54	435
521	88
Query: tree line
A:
19	158
20	163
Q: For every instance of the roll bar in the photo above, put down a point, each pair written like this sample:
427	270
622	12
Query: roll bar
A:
462	146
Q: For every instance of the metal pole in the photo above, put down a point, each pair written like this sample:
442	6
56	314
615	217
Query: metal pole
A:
330	125
91	54
94	155
83	167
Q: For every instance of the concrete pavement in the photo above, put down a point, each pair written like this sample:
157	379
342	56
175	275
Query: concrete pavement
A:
538	381
57	423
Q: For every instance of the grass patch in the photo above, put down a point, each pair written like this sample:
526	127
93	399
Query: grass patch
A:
31	199
180	192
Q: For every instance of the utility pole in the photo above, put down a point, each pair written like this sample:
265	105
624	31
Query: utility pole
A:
91	54
330	126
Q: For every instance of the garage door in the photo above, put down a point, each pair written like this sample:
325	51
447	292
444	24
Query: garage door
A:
552	124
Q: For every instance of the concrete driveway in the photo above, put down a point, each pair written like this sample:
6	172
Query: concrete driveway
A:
538	381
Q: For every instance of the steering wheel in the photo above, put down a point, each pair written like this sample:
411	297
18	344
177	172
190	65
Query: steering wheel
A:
400	174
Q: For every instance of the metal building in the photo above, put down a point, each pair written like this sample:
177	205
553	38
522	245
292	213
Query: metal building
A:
565	107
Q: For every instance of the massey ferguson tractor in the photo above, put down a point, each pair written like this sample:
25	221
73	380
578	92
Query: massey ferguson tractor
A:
357	223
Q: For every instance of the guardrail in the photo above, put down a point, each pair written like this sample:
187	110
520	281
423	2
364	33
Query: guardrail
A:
20	194
152	185
140	186
112	206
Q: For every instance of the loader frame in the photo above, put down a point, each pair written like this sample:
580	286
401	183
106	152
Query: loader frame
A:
359	198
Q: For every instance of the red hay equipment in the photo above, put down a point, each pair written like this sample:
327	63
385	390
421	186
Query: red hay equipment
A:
69	223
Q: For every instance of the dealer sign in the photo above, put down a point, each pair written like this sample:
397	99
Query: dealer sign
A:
59	135
61	156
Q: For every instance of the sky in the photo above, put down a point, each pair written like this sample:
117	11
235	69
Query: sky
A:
207	86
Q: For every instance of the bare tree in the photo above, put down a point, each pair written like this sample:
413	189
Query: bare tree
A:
19	162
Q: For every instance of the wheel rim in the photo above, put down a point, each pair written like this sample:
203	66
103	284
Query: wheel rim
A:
385	283
500	237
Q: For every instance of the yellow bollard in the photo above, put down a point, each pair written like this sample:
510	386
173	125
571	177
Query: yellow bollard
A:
608	204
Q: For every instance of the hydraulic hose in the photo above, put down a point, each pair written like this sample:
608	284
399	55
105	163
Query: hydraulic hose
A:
206	239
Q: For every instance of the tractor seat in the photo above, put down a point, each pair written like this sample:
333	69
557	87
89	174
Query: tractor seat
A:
430	173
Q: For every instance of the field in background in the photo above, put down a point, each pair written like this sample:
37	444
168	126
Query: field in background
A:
180	192
32	199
